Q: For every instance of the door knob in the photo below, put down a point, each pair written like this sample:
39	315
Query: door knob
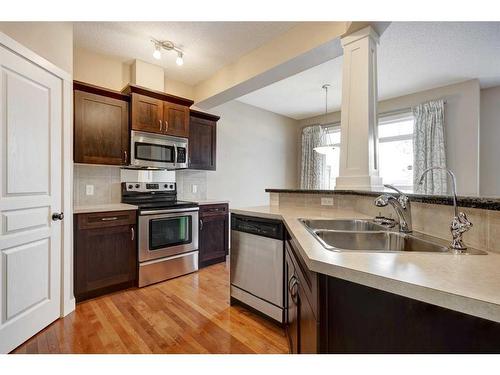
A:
57	216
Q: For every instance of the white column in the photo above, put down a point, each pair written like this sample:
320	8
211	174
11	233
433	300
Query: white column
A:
359	141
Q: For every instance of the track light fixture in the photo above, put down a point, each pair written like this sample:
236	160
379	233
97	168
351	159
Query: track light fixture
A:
169	46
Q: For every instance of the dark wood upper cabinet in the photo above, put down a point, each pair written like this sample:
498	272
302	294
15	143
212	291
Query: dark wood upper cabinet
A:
157	112
202	140
101	127
213	234
147	114
176	119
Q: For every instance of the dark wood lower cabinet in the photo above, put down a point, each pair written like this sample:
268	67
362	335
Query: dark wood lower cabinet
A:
213	234
105	253
329	315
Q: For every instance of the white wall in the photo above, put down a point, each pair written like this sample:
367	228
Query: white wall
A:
461	127
51	40
490	142
256	149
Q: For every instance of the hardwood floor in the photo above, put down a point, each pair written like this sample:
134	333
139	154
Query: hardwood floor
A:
189	314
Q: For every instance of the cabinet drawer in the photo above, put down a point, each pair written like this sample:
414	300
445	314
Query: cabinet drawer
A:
214	209
106	219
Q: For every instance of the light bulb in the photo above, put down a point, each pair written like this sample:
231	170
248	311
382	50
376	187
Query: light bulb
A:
179	61
157	53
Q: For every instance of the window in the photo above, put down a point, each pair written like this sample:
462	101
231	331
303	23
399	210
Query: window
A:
395	133
333	156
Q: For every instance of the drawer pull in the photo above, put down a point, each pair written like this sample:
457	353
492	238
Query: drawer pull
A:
133	233
109	218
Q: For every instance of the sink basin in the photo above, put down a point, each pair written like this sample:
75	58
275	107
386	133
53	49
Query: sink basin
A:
356	225
377	241
367	236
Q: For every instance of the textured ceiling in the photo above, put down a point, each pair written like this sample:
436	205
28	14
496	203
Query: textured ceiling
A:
412	56
208	46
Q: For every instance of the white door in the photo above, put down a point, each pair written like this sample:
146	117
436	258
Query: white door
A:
30	192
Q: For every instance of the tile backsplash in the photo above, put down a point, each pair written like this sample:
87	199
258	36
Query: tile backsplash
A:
106	182
186	180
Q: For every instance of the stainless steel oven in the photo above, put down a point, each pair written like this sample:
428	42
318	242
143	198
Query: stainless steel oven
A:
149	150
168	232
168	244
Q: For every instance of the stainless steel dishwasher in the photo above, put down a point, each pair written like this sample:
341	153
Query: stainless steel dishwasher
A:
257	262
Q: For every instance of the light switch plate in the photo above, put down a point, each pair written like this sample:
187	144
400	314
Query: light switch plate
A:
89	189
326	201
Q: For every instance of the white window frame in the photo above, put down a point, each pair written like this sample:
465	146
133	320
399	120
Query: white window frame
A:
392	117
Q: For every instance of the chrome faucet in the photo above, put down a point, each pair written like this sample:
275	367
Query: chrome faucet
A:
459	223
401	205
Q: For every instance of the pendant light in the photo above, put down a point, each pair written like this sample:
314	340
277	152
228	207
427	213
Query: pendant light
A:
324	147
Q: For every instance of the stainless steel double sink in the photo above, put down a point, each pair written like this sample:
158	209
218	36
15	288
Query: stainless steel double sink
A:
368	236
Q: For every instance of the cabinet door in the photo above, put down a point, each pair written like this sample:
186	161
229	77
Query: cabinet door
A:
291	306
147	114
213	241
202	143
104	257
307	324
176	119
101	129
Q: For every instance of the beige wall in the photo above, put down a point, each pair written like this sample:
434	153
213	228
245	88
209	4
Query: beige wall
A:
100	70
51	40
461	127
490	142
113	73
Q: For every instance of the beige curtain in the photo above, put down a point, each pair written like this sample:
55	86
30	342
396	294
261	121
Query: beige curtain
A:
312	172
429	147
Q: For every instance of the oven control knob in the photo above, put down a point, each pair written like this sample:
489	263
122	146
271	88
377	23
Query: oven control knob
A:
171	186
137	186
130	186
165	186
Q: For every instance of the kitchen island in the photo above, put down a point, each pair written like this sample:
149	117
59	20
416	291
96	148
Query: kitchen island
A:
403	287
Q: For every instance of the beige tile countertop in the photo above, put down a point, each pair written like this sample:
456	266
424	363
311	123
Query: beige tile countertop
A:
465	283
103	208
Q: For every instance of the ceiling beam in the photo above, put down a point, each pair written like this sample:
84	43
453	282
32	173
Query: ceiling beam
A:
300	48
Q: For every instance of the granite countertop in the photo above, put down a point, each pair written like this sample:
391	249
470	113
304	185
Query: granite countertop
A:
487	203
465	283
103	208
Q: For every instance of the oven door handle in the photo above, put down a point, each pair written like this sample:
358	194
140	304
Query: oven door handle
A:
170	211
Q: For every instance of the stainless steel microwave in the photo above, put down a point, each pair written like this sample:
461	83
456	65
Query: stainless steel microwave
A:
149	150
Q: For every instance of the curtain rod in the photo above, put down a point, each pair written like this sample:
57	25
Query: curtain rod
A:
403	110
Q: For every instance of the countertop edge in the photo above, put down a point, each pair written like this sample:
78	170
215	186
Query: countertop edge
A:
104	208
456	302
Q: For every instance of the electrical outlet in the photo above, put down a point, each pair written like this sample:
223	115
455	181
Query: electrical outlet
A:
326	201
89	189
194	189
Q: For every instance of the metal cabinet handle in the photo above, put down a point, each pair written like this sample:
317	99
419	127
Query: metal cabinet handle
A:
109	218
166	125
201	224
161	125
133	233
125	157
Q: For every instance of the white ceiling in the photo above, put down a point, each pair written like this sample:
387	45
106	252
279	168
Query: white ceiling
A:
208	46
412	56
